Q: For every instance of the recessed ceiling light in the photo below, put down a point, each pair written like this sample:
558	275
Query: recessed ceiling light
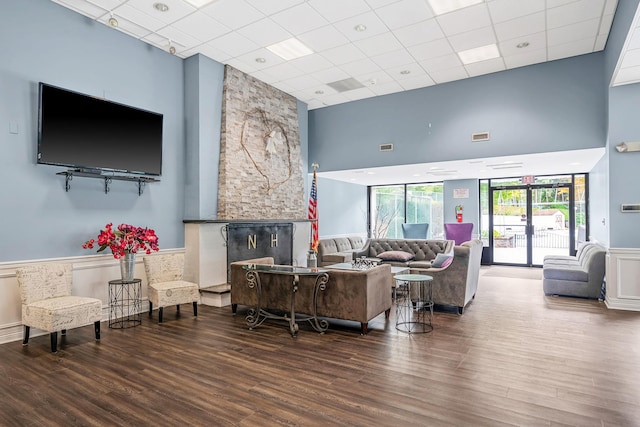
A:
319	92
522	45
199	3
261	60
161	7
290	49
479	54
360	28
445	6
405	72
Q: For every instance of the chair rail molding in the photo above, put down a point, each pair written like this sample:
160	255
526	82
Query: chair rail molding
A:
91	275
623	279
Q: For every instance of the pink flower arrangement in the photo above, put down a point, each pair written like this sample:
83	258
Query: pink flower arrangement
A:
126	239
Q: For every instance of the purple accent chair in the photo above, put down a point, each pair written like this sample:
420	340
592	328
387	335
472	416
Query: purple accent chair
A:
460	232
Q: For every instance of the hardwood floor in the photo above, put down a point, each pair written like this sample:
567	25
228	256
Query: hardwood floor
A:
515	357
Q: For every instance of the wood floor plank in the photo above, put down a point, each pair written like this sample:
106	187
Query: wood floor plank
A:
516	357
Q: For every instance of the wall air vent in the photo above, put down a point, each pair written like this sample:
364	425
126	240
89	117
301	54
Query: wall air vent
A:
386	147
479	136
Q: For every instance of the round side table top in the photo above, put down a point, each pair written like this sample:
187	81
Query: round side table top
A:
413	277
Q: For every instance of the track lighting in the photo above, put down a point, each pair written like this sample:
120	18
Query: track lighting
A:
113	22
172	49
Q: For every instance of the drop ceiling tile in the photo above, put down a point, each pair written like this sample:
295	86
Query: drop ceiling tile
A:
273	6
392	59
320	91
141	19
574	48
416	82
485	67
379	3
441	63
213	53
472	39
233	13
233	44
83	7
105	4
356	94
127	27
201	26
449	75
362	66
270	58
414	70
338	98
536	41
337	10
601	43
631	58
557	3
386	88
574	32
634	42
178	37
265	32
299	19
343	54
572	13
302	82
177	9
430	50
505	10
376	78
241	65
519	27
266	76
370	20
605	25
314	104
283	86
377	45
403	13
525	58
323	38
628	75
312	63
610	7
422	32
330	75
285	71
464	20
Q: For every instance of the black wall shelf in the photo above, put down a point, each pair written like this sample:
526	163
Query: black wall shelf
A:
141	180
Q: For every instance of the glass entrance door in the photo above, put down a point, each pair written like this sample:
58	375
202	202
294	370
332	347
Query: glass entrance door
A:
528	222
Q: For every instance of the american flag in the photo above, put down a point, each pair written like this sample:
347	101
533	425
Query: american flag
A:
313	212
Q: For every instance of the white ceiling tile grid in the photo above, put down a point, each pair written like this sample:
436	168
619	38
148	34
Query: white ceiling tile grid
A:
386	45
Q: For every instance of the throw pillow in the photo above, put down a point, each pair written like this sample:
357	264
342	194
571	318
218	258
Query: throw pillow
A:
395	256
441	261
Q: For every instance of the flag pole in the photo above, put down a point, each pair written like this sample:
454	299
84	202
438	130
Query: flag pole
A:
314	217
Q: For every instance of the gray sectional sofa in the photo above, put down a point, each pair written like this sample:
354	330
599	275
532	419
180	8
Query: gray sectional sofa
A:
338	249
576	276
423	251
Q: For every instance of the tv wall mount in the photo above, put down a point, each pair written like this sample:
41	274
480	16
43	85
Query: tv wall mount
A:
108	178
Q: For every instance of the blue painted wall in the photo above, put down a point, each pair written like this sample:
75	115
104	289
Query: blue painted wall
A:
342	208
203	83
559	105
46	42
471	205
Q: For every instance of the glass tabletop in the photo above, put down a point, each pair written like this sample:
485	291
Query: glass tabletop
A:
413	277
283	269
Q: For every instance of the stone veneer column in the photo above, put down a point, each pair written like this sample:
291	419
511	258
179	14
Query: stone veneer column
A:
259	179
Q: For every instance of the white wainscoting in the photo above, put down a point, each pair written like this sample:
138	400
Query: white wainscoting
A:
623	279
91	275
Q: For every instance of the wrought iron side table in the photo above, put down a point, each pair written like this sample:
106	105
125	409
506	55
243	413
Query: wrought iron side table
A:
125	303
414	303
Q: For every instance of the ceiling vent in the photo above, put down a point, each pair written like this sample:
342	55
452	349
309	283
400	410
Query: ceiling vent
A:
345	85
386	147
479	136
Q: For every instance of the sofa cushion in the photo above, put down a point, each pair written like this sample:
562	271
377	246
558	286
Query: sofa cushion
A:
338	257
565	272
400	256
441	261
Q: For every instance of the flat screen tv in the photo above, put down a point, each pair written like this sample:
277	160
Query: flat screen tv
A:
92	134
